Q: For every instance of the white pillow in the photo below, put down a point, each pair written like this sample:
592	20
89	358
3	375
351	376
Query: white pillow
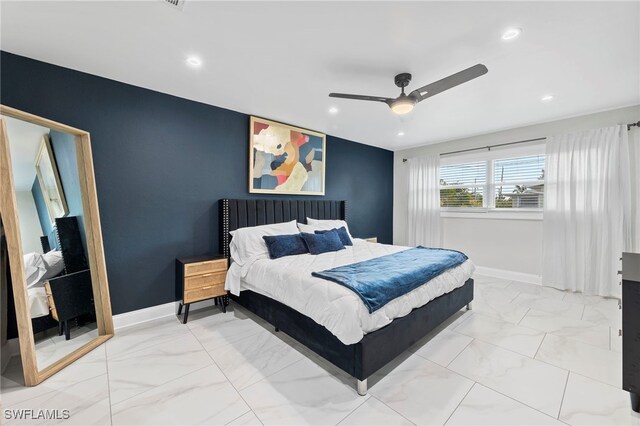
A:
54	263
309	229
248	242
319	224
35	269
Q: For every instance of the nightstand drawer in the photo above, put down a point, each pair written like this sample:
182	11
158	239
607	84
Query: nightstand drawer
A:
198	281
204	293
208	266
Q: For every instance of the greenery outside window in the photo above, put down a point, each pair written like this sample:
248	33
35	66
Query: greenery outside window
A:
502	182
463	185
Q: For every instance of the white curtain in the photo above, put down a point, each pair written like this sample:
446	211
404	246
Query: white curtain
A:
634	159
586	204
423	225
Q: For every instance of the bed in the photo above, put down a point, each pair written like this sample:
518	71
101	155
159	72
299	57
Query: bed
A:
69	290
381	339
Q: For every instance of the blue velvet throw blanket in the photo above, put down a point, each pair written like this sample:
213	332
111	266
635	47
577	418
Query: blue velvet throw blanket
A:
380	280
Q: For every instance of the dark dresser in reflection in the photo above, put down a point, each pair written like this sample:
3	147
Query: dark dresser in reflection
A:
631	327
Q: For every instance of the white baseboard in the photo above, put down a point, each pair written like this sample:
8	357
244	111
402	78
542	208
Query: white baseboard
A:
152	313
120	321
168	309
509	275
143	315
140	316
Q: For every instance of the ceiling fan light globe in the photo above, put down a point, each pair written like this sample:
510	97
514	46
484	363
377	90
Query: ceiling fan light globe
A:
403	106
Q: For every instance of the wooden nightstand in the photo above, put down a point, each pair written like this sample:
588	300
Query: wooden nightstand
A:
52	304
200	278
372	239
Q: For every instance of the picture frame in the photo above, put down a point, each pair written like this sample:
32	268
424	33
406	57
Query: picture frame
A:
49	181
285	159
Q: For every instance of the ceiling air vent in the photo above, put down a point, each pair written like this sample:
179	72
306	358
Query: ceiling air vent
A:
176	4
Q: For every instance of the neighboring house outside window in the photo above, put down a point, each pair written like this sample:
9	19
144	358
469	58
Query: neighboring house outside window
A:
494	181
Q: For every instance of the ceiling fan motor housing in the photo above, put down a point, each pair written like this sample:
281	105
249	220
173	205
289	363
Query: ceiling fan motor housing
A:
403	80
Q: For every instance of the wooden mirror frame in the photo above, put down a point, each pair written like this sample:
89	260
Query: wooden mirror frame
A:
9	212
46	148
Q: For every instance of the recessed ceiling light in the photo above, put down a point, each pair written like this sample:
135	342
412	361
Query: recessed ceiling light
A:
400	133
511	33
333	110
547	98
194	61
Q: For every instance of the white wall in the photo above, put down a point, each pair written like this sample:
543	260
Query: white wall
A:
634	154
513	245
507	244
30	229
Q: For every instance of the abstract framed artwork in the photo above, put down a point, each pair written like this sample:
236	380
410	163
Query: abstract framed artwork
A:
285	160
49	180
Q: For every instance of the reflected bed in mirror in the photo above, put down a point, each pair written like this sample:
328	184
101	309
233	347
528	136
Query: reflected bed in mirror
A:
54	243
60	294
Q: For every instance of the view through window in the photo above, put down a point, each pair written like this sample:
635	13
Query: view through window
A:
506	183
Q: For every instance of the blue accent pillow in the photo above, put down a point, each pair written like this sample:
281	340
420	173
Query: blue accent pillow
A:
285	245
342	233
323	243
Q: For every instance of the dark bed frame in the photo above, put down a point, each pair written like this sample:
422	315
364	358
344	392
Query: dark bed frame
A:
377	348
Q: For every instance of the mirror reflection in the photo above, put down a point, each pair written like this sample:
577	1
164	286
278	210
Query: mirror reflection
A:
52	228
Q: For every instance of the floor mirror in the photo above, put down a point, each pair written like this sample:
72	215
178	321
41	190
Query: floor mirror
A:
55	276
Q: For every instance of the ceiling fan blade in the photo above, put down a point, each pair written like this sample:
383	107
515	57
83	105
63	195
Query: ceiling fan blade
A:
360	97
448	82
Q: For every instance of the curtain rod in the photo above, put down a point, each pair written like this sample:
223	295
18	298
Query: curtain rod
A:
488	147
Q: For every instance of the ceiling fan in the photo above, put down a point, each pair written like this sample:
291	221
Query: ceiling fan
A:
405	103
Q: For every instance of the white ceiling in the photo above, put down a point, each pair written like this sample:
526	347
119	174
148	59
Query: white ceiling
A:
281	60
24	141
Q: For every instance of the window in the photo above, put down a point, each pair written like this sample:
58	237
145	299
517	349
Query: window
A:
506	180
462	185
519	182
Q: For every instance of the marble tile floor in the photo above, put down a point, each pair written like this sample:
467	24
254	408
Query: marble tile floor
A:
50	347
526	355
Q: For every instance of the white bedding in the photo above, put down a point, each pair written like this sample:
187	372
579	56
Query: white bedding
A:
38	302
289	281
37	271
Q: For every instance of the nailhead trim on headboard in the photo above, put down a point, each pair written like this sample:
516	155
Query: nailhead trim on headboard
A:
67	231
225	228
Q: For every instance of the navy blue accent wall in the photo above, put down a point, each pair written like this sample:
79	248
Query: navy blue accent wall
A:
161	164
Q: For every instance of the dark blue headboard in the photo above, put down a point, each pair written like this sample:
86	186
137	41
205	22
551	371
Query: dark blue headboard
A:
236	214
68	239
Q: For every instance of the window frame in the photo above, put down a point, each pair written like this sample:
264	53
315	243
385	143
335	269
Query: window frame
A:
488	210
